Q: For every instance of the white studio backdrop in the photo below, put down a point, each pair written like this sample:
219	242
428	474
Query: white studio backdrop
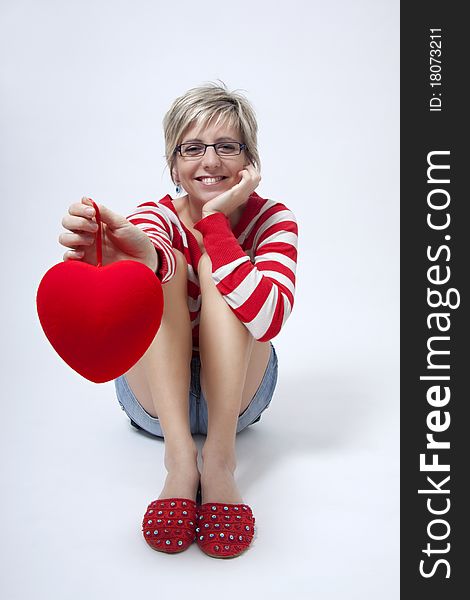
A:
84	87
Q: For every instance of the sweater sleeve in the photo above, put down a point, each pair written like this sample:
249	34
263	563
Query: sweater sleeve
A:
153	220
260	293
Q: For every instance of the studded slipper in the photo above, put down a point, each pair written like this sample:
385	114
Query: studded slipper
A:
169	524
224	530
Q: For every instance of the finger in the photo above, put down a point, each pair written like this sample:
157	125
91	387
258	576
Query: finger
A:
74	255
112	219
253	174
87	207
73	240
254	170
83	209
74	223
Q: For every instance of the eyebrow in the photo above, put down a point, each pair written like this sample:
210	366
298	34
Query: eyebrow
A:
220	139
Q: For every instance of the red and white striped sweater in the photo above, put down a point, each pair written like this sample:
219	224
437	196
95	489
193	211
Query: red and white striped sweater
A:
253	266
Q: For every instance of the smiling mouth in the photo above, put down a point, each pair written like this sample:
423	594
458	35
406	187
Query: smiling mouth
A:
210	180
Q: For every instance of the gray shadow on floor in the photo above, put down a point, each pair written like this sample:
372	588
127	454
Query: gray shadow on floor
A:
309	415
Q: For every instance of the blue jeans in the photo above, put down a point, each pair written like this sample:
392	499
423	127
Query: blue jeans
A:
198	416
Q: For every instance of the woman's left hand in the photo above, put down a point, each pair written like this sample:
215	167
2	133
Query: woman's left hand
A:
228	201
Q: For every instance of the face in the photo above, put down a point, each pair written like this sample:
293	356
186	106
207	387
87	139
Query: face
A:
189	172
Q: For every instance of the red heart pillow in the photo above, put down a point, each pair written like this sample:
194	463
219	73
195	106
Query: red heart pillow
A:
100	320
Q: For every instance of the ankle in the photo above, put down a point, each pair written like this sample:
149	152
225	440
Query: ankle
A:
218	460
218	484
180	456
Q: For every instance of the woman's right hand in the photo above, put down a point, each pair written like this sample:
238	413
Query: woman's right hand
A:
121	240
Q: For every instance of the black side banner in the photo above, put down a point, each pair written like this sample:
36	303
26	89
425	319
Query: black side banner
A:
435	436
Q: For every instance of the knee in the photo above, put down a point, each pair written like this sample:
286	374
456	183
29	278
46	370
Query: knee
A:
181	262
178	283
204	267
181	273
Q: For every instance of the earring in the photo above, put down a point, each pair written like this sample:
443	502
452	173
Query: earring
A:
178	188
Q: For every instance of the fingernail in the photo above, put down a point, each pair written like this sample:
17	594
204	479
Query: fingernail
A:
90	211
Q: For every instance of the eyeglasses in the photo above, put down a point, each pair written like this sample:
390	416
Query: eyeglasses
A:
193	150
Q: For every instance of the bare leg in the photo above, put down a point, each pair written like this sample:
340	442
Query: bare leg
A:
160	382
227	355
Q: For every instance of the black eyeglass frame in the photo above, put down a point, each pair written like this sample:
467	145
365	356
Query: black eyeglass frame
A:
178	148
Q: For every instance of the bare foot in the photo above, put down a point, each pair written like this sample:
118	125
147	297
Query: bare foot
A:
218	483
183	476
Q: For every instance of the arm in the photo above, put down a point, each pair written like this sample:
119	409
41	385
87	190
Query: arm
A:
154	221
120	240
261	293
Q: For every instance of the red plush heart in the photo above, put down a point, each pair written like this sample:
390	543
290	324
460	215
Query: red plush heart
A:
100	320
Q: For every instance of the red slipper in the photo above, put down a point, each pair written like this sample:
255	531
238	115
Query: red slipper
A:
224	530
169	524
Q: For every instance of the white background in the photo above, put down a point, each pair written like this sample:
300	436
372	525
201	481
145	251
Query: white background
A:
85	86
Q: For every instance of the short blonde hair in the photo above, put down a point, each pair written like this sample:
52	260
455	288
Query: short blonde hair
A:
210	103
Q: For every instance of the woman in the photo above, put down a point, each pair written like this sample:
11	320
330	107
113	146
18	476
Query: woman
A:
226	259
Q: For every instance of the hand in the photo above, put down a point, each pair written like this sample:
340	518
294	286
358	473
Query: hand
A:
121	240
228	201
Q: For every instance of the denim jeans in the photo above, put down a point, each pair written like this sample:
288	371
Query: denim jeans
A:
198	416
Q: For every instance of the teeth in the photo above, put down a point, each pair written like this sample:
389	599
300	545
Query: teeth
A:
211	179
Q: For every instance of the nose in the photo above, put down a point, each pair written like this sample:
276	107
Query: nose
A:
211	158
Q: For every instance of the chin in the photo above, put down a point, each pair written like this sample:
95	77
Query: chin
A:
206	195
207	198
